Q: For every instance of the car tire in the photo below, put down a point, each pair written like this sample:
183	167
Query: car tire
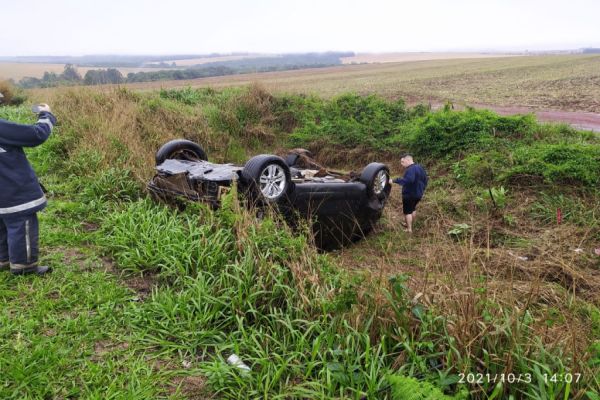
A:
267	179
180	149
376	177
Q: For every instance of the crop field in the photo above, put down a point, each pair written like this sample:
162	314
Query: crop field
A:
148	301
17	71
416	56
203	60
561	82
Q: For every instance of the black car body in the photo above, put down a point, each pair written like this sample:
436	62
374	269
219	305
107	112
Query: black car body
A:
343	207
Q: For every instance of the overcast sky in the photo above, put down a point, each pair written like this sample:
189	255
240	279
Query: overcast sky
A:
78	27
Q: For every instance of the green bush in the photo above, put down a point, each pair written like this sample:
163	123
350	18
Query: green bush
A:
558	163
481	168
349	120
449	133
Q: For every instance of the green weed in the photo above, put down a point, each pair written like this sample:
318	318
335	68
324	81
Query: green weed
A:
578	208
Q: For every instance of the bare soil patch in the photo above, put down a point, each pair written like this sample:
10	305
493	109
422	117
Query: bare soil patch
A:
192	387
141	284
104	347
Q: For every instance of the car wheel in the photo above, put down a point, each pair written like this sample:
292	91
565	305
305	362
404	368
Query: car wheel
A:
376	177
267	178
180	149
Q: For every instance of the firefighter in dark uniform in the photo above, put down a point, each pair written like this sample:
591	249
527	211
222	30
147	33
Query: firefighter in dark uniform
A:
21	196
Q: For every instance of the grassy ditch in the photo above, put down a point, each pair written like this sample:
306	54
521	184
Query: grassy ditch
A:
147	302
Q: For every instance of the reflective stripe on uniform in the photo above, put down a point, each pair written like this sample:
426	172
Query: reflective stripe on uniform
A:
23	207
20	267
46	121
27	241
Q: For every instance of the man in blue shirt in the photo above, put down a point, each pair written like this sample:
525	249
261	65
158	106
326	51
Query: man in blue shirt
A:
21	196
413	185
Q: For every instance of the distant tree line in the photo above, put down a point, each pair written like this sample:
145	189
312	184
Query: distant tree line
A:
287	61
103	76
70	75
179	74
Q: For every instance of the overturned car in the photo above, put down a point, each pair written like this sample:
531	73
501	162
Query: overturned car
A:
343	207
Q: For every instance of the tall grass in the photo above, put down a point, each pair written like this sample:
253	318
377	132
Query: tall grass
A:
229	283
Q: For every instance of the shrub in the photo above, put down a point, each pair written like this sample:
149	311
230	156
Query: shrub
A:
448	133
350	120
12	95
481	168
558	163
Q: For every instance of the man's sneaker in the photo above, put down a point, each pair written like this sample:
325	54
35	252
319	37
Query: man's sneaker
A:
4	265
26	270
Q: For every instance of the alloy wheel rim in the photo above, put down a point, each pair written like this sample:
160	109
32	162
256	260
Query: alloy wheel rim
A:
381	179
272	181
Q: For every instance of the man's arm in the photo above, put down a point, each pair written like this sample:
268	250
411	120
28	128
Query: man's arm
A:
13	134
409	177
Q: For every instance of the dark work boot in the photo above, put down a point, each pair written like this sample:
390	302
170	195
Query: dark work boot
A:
20	269
4	265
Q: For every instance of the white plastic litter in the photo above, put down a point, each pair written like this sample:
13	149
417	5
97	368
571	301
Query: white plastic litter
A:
235	361
522	258
579	250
